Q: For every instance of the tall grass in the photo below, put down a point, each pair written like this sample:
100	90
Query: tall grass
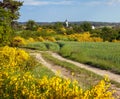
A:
36	46
43	46
40	71
102	55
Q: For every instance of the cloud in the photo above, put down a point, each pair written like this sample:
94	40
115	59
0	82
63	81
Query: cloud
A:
70	2
100	2
113	2
92	3
40	2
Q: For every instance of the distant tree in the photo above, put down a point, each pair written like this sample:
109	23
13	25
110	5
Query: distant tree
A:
58	25
96	32
118	37
117	28
31	25
69	31
108	34
77	28
86	26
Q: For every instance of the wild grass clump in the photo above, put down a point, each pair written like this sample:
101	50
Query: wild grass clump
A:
52	46
44	46
37	46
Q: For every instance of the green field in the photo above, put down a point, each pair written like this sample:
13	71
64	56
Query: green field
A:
104	55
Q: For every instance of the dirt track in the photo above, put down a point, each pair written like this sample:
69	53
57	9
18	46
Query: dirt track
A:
67	74
112	76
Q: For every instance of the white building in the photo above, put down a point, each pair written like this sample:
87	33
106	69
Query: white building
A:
93	27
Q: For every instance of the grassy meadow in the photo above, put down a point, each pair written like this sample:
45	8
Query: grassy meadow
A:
102	55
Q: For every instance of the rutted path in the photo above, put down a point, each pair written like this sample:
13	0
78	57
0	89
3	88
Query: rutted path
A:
67	74
63	72
112	76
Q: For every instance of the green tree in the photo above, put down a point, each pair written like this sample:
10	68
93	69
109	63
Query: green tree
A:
86	26
11	6
8	13
5	27
96	33
108	34
77	28
31	25
57	27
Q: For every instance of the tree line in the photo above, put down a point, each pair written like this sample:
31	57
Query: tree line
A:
107	33
9	13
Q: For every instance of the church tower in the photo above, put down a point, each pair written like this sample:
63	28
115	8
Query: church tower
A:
66	23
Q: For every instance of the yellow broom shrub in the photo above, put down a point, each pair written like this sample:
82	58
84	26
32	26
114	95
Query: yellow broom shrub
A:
12	57
41	39
52	39
30	40
27	86
18	41
84	37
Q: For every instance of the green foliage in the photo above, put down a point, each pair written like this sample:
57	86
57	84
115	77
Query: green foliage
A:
4	17
40	71
108	34
43	46
8	13
12	6
69	31
5	29
52	46
37	46
118	36
31	25
35	34
26	34
77	28
86	26
58	25
5	35
61	33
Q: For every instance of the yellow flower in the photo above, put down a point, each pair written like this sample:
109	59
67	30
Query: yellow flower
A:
73	73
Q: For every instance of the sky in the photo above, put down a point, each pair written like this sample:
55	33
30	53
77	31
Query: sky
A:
72	10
